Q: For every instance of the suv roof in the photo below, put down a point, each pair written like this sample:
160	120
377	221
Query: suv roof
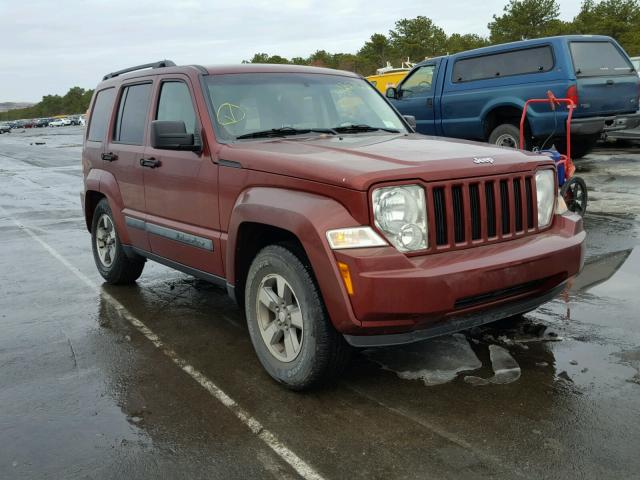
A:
167	66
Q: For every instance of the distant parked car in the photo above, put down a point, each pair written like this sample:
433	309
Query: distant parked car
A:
82	120
5	128
41	123
479	94
59	122
30	123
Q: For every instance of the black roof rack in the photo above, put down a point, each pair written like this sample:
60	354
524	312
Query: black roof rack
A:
160	64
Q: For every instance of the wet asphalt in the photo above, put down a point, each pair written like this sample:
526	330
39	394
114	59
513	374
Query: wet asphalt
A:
84	393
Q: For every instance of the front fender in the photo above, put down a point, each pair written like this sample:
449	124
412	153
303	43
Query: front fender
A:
307	216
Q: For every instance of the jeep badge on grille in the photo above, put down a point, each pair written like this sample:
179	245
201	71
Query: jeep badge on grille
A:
479	160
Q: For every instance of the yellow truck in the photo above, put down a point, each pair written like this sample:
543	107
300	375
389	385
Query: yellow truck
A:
389	76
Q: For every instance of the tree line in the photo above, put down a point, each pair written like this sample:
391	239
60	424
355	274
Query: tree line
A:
76	100
419	38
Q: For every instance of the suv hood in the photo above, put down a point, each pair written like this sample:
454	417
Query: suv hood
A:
359	161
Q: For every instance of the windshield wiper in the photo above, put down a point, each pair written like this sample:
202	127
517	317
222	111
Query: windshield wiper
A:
363	128
283	131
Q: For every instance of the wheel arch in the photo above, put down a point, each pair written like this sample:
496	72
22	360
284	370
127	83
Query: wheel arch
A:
265	215
497	114
102	184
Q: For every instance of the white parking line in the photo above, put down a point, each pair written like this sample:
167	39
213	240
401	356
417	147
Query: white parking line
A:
303	468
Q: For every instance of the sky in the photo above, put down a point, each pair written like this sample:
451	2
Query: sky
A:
49	46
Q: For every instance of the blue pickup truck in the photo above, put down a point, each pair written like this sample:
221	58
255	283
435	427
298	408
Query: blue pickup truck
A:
479	94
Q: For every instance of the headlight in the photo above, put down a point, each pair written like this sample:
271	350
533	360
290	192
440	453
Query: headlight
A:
401	214
545	190
354	237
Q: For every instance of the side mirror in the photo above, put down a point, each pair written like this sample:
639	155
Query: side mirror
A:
172	135
411	120
391	92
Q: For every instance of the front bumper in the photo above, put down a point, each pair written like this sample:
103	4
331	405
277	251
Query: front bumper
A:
595	125
401	299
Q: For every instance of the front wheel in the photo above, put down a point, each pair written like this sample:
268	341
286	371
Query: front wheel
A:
287	321
112	261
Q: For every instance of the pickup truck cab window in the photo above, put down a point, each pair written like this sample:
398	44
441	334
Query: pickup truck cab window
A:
175	104
420	83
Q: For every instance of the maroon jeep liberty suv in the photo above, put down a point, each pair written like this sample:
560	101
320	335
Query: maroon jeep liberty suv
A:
306	195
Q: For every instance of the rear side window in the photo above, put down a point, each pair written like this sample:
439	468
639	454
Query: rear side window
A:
175	104
516	62
599	58
100	114
132	114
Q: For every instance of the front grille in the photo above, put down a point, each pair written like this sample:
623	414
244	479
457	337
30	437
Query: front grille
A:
476	211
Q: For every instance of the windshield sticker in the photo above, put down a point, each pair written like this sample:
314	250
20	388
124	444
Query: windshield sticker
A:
228	114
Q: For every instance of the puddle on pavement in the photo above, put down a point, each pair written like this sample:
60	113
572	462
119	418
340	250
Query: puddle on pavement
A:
435	361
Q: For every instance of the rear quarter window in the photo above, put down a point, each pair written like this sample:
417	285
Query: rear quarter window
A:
599	58
100	114
515	62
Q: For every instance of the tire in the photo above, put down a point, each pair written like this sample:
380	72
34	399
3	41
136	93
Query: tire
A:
506	135
111	260
322	352
581	145
574	193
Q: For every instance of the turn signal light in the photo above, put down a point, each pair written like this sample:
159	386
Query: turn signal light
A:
346	277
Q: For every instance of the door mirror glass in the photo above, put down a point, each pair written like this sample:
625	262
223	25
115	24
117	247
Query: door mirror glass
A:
172	135
411	120
391	92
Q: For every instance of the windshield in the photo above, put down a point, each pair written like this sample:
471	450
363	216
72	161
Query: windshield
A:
247	103
599	58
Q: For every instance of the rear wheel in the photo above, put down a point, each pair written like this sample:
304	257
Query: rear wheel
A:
505	135
112	261
287	321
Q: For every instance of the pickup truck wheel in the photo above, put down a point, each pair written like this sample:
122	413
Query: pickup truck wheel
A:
113	263
505	135
289	327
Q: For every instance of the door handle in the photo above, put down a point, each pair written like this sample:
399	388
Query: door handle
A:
609	82
150	162
109	157
429	102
